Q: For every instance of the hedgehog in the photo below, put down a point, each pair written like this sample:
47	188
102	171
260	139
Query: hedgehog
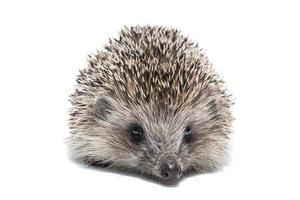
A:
151	104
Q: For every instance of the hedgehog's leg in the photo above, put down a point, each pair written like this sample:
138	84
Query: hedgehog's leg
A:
94	162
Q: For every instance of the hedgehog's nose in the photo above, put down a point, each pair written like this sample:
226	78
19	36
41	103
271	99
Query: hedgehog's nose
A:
170	169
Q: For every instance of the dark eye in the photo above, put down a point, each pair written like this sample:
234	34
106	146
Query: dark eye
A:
187	134
137	132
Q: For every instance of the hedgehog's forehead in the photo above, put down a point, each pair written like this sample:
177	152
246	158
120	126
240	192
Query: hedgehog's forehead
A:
155	116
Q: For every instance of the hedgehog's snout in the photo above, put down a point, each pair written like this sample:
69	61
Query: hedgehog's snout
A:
170	170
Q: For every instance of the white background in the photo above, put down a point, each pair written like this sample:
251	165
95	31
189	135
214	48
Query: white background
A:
255	45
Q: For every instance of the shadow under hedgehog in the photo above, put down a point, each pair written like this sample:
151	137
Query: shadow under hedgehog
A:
150	103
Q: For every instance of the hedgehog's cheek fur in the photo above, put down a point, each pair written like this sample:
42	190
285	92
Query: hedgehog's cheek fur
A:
208	155
95	150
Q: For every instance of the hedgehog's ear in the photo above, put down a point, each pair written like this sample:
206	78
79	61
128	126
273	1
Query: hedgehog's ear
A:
102	108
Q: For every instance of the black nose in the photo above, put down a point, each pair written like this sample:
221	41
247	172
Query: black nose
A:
170	169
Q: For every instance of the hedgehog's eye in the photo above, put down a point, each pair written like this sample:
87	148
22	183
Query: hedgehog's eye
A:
187	134
137	132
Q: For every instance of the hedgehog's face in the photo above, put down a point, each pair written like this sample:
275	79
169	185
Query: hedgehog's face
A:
158	142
